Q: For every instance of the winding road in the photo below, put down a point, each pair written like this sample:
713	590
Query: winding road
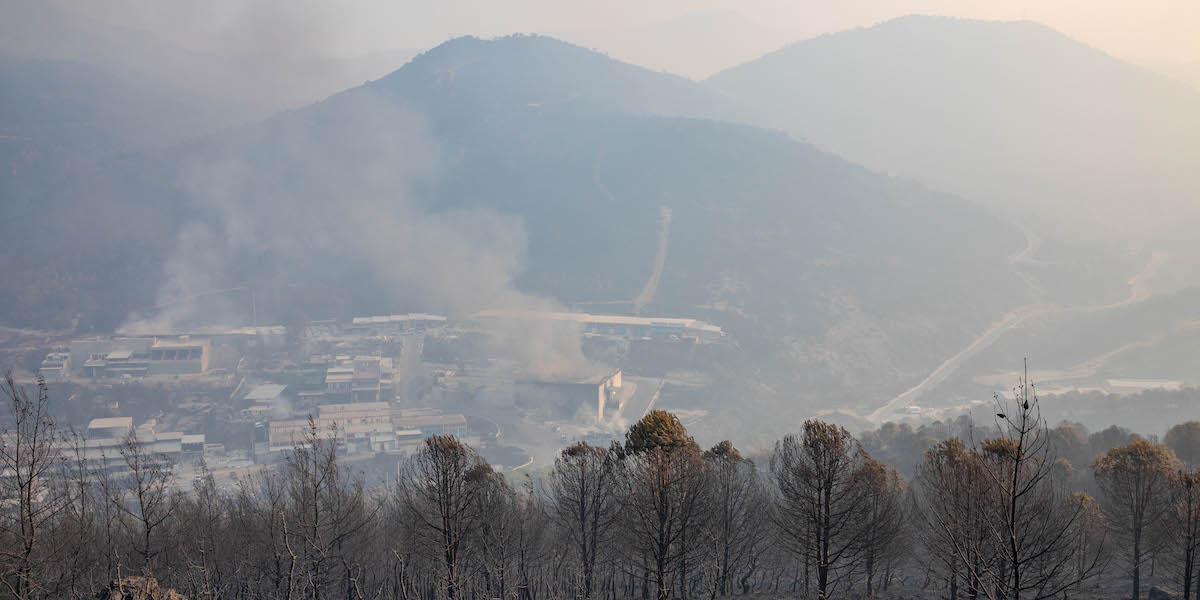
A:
1139	291
1009	321
660	260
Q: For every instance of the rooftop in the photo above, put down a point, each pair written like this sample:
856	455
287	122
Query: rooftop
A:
397	318
111	423
417	422
266	392
328	411
585	318
178	345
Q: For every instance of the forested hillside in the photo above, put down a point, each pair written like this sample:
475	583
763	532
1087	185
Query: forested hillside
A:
549	169
1014	115
64	128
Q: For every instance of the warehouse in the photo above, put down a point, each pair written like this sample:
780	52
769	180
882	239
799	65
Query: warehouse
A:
617	325
568	400
178	357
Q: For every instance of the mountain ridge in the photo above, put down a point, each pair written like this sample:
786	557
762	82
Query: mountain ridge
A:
1014	115
440	185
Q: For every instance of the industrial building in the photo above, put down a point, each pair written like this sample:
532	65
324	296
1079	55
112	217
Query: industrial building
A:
365	427
263	398
396	324
616	325
430	423
109	427
56	365
89	354
137	357
243	338
178	357
567	400
360	379
106	439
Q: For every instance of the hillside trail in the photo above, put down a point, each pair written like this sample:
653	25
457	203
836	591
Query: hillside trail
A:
1139	291
650	289
660	260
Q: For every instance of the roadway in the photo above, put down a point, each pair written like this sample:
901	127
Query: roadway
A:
1139	291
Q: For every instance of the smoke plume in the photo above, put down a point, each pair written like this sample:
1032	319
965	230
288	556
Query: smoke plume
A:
342	193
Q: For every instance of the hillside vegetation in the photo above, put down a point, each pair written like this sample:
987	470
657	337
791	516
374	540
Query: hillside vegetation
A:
1013	115
548	167
1016	508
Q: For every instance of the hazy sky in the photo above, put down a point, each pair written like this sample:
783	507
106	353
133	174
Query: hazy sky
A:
1134	29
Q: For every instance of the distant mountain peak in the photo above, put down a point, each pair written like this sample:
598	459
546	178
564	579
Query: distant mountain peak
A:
1012	114
475	76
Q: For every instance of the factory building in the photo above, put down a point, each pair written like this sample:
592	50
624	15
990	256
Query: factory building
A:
617	325
109	427
265	397
178	357
366	427
363	427
106	439
397	324
56	365
568	400
430	424
192	446
241	338
137	357
89	355
360	379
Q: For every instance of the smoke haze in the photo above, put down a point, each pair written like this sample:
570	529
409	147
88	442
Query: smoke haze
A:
877	218
345	195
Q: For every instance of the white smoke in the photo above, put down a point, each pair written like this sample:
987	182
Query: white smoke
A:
340	192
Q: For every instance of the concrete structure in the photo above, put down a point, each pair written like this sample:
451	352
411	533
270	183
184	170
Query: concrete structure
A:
266	393
106	440
95	350
567	400
607	390
616	325
178	357
339	381
239	337
125	362
286	434
109	427
361	427
394	324
263	397
455	425
360	379
192	446
136	357
365	427
56	365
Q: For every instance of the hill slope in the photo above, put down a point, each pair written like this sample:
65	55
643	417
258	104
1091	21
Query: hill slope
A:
523	171
472	80
58	121
1012	114
76	109
695	44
